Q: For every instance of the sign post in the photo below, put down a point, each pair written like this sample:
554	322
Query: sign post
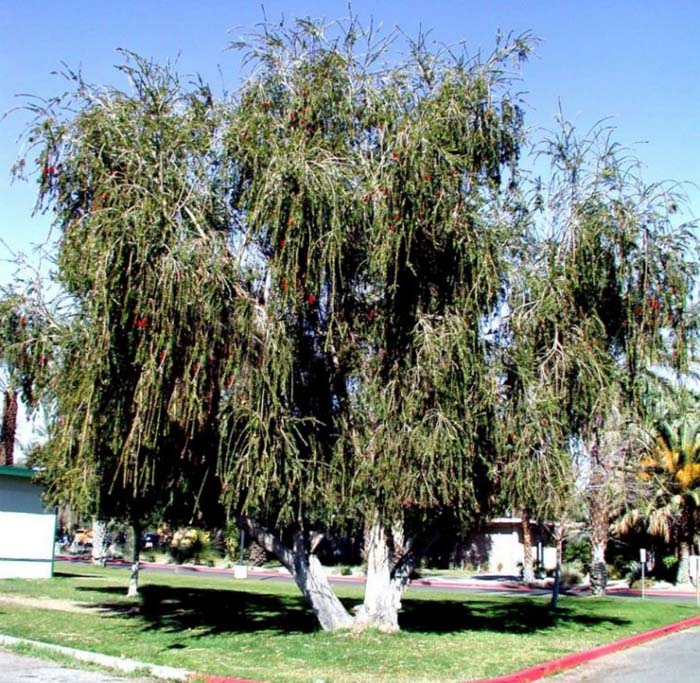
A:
643	562
695	576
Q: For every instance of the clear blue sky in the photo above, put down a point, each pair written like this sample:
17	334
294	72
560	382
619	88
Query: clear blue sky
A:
636	61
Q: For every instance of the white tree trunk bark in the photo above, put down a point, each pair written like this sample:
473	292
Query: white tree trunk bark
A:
136	557
308	574
528	565
599	572
683	574
387	578
99	545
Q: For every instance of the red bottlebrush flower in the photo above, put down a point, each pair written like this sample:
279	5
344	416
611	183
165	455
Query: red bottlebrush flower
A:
427	177
229	382
283	243
545	422
438	194
291	222
397	217
161	357
265	104
372	314
140	322
394	156
49	170
655	304
638	310
22	321
292	117
366	198
311	299
283	284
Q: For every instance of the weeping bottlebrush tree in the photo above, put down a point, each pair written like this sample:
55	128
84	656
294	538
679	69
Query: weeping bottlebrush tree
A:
158	317
608	296
377	198
26	345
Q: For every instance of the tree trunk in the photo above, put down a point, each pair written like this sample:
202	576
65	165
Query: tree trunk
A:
599	520
528	566
308	574
135	561
599	570
559	541
9	428
683	575
99	544
384	585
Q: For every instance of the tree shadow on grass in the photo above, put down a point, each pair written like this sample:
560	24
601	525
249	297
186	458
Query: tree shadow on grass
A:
227	610
506	615
210	610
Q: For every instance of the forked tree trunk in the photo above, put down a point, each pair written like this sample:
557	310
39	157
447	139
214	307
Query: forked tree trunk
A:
390	562
383	589
99	545
135	562
528	566
308	574
9	428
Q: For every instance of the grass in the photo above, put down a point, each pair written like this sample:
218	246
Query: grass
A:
262	630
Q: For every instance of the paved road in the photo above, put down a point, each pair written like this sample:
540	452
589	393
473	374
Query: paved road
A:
672	659
15	668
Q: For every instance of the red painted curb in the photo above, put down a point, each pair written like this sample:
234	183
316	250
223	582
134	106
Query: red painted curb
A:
534	673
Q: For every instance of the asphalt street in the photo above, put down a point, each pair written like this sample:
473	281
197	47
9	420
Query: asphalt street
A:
671	659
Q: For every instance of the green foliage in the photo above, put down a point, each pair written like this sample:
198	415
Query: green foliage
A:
602	292
375	196
140	206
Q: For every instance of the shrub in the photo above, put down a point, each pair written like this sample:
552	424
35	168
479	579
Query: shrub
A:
189	545
571	573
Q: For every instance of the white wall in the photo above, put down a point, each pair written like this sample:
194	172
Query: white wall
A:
27	530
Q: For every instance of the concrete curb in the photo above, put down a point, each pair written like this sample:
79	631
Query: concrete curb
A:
221	571
538	671
168	673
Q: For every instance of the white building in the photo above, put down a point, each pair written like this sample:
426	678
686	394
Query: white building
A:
27	529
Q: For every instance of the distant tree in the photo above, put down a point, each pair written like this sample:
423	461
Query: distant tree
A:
25	352
669	500
619	278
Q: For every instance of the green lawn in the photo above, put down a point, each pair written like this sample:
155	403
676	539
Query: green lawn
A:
261	630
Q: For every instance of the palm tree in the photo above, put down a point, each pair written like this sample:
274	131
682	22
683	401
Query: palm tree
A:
671	470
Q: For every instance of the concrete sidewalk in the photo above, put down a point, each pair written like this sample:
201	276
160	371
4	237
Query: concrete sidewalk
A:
16	668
